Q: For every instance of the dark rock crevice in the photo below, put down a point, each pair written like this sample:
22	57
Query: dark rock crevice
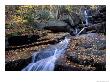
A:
17	65
22	40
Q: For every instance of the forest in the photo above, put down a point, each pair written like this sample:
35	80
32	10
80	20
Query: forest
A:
55	37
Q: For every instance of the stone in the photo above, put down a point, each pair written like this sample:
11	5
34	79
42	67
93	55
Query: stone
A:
56	26
40	25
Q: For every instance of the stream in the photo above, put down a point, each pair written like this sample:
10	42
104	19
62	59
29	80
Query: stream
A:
45	60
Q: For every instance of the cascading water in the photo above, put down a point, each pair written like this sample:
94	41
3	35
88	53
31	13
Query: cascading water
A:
45	60
86	17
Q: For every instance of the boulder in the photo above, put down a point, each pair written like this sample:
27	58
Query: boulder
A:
40	25
53	25
56	26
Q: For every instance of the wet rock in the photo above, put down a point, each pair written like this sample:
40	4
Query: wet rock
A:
75	31
43	53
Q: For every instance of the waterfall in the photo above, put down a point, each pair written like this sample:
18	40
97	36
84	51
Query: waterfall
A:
86	23
44	60
86	17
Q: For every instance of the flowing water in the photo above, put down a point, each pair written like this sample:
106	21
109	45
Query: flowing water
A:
44	60
86	23
86	17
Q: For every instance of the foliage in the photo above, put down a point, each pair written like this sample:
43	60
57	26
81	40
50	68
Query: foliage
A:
28	14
